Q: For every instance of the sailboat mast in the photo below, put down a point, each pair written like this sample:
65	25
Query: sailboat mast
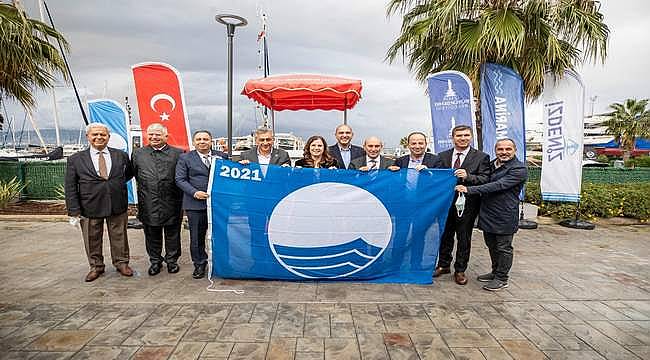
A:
263	52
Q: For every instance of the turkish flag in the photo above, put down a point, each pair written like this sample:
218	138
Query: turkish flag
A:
160	100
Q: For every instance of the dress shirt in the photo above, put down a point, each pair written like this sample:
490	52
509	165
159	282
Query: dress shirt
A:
463	155
370	165
206	159
94	156
264	159
415	162
346	154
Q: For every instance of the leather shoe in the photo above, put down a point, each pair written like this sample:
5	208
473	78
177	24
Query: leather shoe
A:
172	268
199	271
124	269
460	278
154	269
441	271
93	275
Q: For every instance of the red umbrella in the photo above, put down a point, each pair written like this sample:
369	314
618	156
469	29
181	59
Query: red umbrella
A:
304	92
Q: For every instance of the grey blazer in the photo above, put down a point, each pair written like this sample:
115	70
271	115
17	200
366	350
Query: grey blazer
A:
359	162
278	156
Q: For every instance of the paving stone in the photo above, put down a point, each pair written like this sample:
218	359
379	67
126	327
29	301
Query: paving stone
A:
471	319
162	315
248	351
218	350
290	321
614	333
601	343
18	355
372	347
538	337
507	334
153	353
642	351
608	312
255	332
341	349
119	330
281	348
522	350
105	353
241	313
457	338
494	353
399	346
264	313
309	344
565	337
443	317
317	325
62	340
344	330
573	355
59	355
636	329
155	336
468	354
205	328
309	356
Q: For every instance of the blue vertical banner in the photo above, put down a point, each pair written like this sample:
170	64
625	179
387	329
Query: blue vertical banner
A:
112	114
451	100
502	108
273	222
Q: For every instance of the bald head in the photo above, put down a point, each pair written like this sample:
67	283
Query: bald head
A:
373	146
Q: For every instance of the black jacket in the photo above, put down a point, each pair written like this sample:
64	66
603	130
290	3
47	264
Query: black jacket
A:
360	162
159	199
500	198
355	152
88	194
430	160
477	165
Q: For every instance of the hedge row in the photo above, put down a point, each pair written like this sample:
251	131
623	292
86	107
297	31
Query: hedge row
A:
598	200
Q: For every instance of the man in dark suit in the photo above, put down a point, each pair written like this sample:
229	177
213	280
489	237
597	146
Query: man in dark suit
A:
95	192
373	160
417	158
159	199
343	151
499	216
471	167
264	153
192	175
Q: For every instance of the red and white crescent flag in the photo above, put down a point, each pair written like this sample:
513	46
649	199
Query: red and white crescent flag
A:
159	91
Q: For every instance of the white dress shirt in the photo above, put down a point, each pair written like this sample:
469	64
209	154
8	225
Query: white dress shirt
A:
94	156
463	155
264	159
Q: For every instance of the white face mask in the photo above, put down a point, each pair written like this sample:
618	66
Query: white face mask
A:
460	204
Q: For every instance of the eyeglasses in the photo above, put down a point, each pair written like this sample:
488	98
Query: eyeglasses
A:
265	139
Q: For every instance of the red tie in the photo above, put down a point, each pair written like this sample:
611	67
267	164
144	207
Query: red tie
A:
457	162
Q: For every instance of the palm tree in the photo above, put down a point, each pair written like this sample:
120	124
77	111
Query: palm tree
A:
529	36
28	60
629	121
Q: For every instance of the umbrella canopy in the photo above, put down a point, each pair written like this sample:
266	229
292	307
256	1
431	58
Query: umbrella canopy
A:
304	92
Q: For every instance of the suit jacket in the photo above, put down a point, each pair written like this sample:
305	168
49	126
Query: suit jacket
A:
191	176
278	156
355	152
159	199
477	165
430	160
359	162
88	194
500	198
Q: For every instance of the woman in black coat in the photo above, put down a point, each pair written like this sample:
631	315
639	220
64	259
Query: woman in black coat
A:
316	155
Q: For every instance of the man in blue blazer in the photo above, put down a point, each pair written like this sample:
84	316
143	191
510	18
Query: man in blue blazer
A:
417	158
192	175
343	151
498	216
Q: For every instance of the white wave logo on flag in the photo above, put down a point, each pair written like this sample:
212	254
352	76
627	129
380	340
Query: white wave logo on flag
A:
328	230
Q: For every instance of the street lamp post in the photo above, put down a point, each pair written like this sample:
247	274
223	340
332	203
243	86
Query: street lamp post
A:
231	22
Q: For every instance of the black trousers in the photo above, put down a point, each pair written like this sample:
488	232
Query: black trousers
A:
500	247
198	222
462	228
153	239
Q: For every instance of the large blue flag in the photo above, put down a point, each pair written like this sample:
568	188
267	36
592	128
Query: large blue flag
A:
450	97
502	108
271	222
112	114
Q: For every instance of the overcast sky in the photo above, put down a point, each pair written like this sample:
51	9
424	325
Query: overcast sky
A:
335	37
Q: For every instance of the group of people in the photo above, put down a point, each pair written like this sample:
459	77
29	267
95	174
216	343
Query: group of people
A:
170	182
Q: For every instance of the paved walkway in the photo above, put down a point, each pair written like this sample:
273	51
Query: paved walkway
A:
573	295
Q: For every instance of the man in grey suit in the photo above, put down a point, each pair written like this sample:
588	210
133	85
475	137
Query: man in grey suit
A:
264	153
373	160
343	151
498	217
192	176
95	192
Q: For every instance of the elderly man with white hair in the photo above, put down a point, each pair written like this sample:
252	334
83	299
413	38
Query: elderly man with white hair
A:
159	199
95	192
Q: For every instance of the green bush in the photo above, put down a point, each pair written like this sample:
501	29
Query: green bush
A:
642	161
603	159
9	191
598	200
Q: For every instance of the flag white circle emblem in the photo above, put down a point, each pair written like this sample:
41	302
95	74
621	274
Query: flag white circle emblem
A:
328	230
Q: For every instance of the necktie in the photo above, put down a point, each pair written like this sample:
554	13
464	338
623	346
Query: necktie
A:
206	161
103	172
457	162
373	164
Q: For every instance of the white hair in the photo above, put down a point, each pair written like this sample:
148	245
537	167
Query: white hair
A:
157	126
95	125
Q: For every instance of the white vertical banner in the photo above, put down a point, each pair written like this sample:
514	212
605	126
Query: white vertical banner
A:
563	128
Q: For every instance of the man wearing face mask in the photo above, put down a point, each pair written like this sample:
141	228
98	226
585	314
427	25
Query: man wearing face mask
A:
159	199
499	215
263	152
471	167
192	175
